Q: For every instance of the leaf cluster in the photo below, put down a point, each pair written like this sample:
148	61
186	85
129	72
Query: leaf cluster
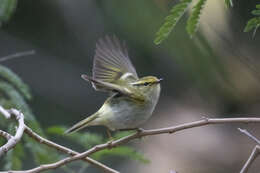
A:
253	23
179	9
7	8
14	93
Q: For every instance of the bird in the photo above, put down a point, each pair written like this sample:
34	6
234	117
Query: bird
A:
132	99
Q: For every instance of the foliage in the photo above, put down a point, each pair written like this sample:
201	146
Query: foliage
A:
122	151
193	21
7	8
229	3
254	22
179	9
13	94
171	20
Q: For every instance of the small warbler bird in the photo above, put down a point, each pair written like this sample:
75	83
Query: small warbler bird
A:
133	99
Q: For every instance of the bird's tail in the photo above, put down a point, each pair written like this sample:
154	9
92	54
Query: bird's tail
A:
82	124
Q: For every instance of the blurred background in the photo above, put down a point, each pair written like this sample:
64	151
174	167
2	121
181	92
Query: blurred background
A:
214	74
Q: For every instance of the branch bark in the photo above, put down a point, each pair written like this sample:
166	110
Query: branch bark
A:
139	134
17	55
65	150
13	140
251	159
6	135
254	154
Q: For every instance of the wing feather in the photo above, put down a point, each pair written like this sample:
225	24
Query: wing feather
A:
111	61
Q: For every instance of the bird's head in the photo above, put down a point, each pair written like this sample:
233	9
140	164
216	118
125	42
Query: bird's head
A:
148	85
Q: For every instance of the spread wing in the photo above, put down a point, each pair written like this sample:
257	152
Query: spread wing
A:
113	70
111	62
114	88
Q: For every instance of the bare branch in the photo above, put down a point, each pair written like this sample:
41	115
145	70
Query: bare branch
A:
251	159
139	134
6	114
19	132
249	135
13	140
6	135
254	153
66	150
17	55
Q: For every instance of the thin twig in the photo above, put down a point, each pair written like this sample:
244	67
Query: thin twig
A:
35	136
6	135
251	159
249	135
5	113
19	131
65	150
140	134
17	55
253	154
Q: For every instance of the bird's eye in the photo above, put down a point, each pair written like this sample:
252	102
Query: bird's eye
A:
146	83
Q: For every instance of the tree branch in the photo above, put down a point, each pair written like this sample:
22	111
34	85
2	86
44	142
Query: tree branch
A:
251	159
13	140
19	116
6	135
65	150
17	55
255	152
249	135
139	134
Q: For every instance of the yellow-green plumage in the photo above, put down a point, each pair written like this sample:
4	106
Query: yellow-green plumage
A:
133	99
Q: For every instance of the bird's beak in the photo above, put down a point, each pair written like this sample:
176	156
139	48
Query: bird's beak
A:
158	81
161	79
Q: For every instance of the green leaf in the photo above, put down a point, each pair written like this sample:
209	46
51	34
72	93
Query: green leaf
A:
122	151
253	23
14	158
119	135
7	8
56	130
229	3
256	12
41	153
171	20
18	102
15	80
193	21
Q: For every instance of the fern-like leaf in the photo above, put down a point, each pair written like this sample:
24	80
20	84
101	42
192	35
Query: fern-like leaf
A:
7	8
41	153
229	3
253	23
122	151
14	158
15	100
85	139
15	80
193	21
171	20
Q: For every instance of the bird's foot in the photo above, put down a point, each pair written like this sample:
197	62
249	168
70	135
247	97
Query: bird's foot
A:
139	130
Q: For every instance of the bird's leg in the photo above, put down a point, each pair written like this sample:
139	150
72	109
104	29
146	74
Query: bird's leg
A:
109	135
139	130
